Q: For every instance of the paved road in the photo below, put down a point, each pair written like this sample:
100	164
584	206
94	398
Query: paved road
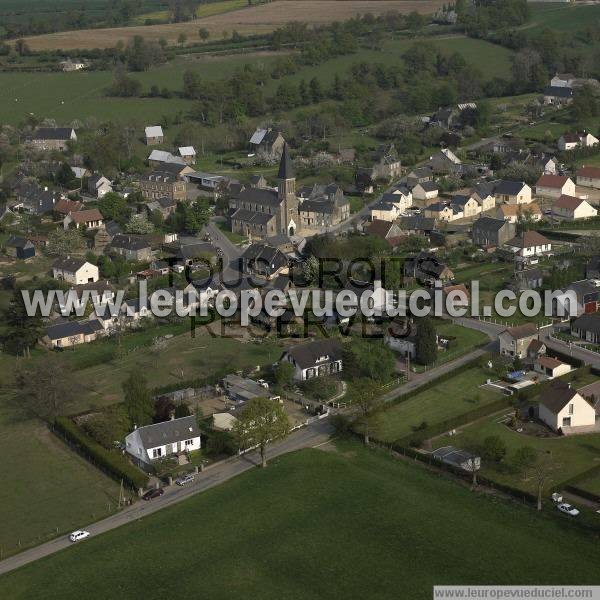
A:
307	437
231	253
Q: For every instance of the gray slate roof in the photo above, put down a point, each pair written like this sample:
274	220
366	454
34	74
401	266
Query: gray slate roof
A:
169	432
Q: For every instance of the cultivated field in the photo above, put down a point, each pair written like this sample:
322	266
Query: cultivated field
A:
256	19
344	523
69	96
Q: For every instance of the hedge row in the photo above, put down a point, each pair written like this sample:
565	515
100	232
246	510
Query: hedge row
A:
571	360
457	471
417	438
114	464
582	493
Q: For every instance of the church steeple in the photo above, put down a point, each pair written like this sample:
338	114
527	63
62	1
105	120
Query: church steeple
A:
286	168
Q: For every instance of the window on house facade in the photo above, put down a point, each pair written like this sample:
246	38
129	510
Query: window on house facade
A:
571	408
156	452
189	442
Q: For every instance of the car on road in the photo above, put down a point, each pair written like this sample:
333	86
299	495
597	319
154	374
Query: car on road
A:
80	534
185	479
568	509
151	494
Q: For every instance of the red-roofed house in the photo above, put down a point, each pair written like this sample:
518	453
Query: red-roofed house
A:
65	206
390	232
554	186
589	177
551	367
91	218
570	207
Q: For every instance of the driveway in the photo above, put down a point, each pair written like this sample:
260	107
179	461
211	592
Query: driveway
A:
313	435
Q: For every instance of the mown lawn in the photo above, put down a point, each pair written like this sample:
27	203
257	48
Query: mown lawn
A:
569	455
450	398
319	525
45	486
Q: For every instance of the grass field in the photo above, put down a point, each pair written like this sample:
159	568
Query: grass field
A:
591	484
46	486
566	18
571	455
448	399
262	18
69	96
347	524
50	486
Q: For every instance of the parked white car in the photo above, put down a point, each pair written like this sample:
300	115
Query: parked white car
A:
80	534
568	509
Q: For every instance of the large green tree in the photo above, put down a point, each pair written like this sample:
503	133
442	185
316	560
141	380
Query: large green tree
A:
45	387
366	399
21	331
262	422
426	342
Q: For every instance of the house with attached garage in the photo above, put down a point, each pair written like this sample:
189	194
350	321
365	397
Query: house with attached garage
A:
554	186
529	243
314	359
169	438
565	410
492	233
589	177
512	192
515	341
75	271
154	135
570	207
419	175
587	294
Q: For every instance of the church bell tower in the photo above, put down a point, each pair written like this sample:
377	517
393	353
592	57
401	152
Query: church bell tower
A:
286	191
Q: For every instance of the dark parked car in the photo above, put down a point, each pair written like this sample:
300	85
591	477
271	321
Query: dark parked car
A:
151	494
